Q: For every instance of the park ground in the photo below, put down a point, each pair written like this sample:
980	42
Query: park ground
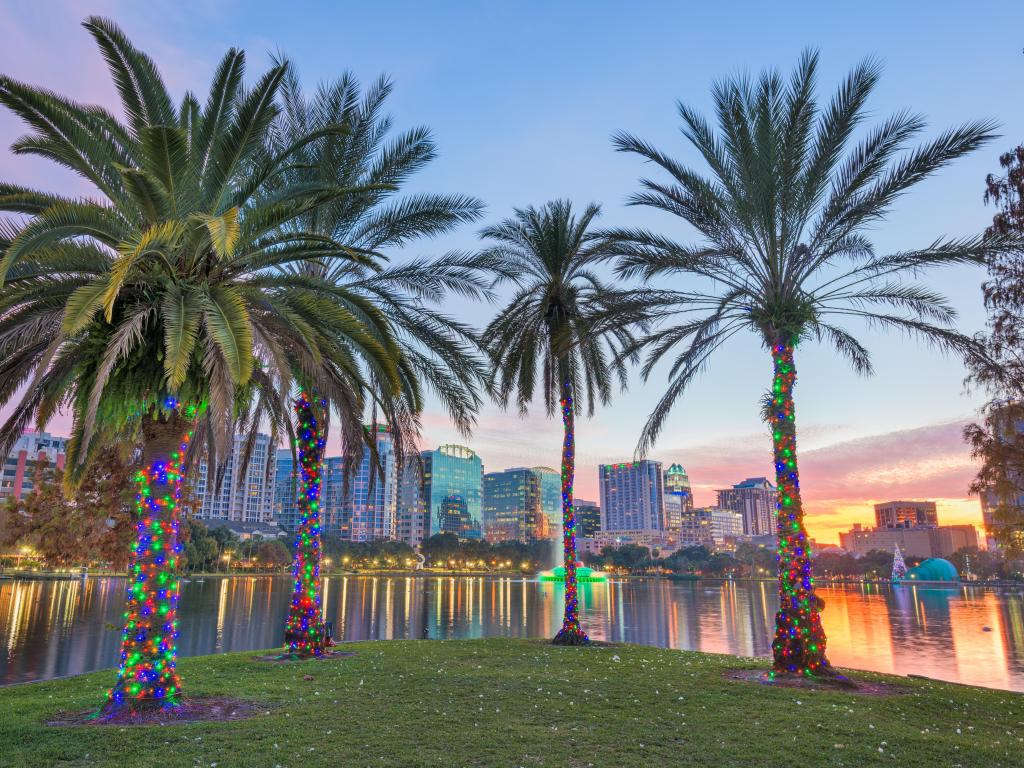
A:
519	703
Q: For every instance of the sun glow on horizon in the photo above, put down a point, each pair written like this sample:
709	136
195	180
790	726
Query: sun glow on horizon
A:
827	518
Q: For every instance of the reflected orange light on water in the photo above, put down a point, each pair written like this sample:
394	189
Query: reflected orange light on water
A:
857	623
978	642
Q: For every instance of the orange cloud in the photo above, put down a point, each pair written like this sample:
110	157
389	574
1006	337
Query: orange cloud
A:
841	481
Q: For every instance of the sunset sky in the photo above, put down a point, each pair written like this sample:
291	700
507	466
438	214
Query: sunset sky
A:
522	100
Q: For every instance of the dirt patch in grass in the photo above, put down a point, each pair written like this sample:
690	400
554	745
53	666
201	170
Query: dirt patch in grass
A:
591	644
190	710
286	657
838	685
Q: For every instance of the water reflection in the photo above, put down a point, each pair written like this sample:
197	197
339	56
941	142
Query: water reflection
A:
970	635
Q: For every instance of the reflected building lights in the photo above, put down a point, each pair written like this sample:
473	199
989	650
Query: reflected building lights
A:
386	632
522	598
59	627
373	606
408	607
222	610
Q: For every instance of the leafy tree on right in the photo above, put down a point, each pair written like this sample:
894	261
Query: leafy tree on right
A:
784	253
997	441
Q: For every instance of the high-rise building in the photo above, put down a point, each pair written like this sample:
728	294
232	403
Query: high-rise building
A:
754	500
550	482
711	527
335	512
588	518
286	489
248	499
411	513
453	489
372	501
512	508
334	517
363	509
453	517
28	450
632	496
906	514
678	496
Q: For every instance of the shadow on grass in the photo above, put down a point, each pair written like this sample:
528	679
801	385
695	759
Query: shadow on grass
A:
189	710
830	684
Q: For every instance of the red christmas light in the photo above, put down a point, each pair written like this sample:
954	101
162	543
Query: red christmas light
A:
799	644
571	632
148	639
304	630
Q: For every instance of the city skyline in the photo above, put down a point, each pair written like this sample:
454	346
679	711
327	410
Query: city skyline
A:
704	491
862	440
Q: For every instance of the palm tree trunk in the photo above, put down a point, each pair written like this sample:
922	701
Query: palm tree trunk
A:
304	630
571	633
799	645
147	676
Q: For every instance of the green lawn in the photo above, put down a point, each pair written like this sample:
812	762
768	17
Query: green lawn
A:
520	703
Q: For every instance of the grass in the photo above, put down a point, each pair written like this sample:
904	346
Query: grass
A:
520	703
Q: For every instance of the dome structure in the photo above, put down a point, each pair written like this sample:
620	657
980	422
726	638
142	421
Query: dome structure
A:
934	569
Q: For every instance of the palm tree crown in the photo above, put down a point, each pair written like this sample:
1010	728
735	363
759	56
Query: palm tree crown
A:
783	216
169	282
375	219
563	318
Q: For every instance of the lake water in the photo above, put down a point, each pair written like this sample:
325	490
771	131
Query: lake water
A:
54	628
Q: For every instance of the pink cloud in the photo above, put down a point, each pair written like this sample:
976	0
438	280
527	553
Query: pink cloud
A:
46	45
841	481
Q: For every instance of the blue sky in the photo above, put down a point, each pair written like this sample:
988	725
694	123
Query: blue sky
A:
522	99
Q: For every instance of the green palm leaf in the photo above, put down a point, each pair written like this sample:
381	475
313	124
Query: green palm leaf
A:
227	321
182	315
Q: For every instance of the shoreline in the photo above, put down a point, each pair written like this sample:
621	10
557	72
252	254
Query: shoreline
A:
507	702
764	661
428	573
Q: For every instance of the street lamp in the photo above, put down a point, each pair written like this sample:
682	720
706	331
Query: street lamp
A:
226	557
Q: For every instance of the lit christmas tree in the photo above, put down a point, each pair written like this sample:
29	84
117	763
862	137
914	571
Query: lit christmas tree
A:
899	568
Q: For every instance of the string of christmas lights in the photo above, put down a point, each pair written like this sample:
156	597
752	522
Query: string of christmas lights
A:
304	630
571	632
799	644
148	640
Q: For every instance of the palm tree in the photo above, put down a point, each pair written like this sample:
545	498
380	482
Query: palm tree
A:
564	320
783	217
158	309
436	349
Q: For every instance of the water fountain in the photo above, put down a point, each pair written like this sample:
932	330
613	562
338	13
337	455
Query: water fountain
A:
583	573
